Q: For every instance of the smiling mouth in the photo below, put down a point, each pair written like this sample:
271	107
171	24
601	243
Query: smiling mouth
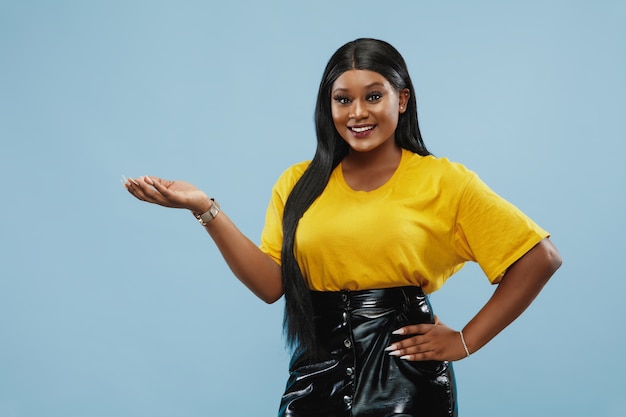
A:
361	129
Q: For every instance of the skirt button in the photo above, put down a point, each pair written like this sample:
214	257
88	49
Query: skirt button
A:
347	343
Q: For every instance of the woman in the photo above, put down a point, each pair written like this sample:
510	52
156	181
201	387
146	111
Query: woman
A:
357	236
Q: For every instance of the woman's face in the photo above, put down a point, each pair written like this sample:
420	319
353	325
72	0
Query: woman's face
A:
365	109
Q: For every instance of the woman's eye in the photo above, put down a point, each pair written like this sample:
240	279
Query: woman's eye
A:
374	97
342	99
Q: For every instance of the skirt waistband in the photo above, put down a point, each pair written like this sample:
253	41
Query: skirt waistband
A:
374	298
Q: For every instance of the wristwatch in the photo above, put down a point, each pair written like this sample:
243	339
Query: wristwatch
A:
209	215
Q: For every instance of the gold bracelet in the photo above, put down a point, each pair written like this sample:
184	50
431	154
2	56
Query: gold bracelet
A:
464	345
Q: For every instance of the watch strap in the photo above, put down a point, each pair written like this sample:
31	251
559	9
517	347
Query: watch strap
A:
210	214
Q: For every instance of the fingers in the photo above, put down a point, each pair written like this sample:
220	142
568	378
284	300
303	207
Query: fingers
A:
414	329
415	345
158	185
166	193
126	181
420	356
429	342
415	350
143	188
129	184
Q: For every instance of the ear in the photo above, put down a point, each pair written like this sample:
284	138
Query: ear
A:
404	99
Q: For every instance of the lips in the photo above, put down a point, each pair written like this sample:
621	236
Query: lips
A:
361	129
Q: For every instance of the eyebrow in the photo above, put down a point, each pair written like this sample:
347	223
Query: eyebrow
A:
374	84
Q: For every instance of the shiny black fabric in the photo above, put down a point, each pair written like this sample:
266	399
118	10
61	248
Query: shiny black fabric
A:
352	375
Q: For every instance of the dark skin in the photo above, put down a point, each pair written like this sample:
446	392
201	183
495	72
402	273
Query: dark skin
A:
254	268
515	292
365	110
367	99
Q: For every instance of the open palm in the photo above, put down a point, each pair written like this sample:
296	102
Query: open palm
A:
167	193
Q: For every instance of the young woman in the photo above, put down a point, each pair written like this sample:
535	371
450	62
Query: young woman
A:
356	237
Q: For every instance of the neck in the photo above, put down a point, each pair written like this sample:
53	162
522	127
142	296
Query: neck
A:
367	171
383	156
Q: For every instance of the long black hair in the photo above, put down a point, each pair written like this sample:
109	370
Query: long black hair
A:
361	54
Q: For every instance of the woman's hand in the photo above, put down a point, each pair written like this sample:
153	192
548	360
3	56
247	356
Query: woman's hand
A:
430	342
175	194
254	268
517	289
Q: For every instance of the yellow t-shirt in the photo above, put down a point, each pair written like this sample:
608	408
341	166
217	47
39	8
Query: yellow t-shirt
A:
419	228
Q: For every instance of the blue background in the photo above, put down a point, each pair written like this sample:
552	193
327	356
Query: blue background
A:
110	307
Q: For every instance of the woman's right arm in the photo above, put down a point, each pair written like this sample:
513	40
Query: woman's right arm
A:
251	266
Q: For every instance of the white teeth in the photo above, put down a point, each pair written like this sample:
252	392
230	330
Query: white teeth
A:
362	129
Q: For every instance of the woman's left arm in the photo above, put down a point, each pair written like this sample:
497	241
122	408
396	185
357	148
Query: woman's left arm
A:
515	292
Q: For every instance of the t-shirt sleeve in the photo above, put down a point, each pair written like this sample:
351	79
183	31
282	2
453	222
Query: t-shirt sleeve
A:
491	231
272	234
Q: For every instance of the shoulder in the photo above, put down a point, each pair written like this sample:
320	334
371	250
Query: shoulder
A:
290	177
294	172
439	170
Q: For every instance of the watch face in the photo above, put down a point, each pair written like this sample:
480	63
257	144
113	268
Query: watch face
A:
210	215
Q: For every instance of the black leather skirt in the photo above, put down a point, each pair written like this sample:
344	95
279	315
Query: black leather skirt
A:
352	375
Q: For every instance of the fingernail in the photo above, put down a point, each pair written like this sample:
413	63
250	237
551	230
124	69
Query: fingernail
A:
123	180
395	353
148	180
399	331
405	357
391	347
133	181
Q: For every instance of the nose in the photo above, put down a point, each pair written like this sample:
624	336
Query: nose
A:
358	110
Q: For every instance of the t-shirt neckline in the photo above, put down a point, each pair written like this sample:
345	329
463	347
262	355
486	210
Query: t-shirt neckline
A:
338	173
